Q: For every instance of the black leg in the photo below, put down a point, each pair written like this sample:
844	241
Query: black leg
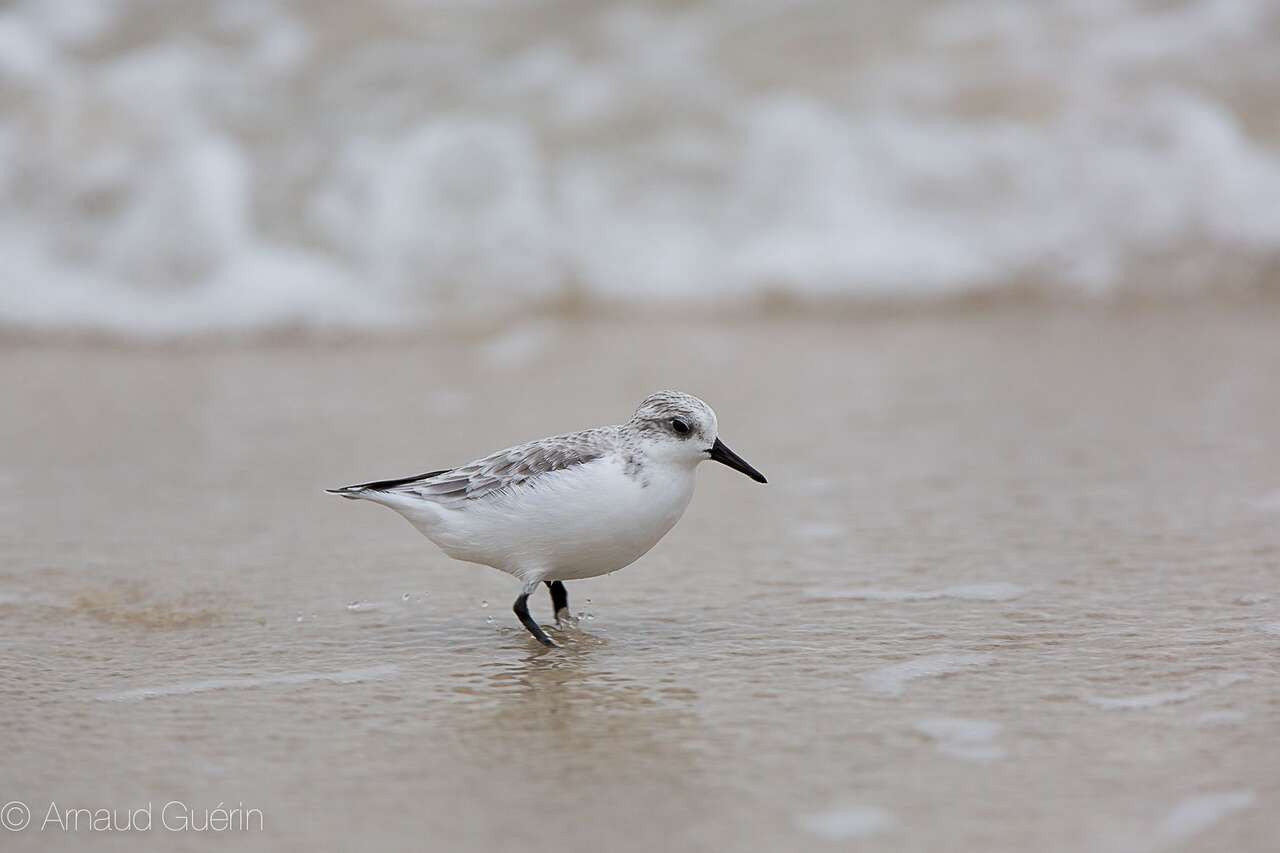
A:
559	600
521	610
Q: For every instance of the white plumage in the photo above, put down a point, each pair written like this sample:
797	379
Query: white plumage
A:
567	507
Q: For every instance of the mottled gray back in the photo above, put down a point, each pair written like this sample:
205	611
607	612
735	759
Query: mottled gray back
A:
514	466
521	464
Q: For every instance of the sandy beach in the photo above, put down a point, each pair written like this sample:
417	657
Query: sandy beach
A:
1013	585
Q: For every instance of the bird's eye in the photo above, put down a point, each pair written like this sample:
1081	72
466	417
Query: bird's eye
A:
681	427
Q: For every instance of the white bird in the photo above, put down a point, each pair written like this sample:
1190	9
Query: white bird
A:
572	506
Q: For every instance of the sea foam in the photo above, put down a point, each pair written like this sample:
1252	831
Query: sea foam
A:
194	172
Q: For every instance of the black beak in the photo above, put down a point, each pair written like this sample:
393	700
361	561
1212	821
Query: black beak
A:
721	453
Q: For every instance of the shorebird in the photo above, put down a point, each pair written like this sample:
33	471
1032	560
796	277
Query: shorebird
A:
568	507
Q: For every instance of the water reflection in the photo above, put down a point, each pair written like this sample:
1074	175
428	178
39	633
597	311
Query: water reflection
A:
582	709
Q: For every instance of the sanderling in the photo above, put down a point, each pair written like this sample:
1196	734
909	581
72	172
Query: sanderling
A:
571	506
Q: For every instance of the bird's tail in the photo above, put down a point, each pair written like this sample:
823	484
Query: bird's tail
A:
381	487
351	493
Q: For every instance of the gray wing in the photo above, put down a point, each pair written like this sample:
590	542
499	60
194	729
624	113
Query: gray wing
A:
512	467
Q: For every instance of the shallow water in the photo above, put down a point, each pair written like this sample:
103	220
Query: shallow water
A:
1013	585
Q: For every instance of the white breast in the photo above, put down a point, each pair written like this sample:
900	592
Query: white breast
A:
584	521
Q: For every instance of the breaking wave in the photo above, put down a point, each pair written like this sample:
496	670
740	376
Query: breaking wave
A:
256	164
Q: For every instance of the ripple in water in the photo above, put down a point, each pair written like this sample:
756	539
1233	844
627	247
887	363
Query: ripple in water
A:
893	680
185	688
1196	814
967	739
847	823
1170	697
969	592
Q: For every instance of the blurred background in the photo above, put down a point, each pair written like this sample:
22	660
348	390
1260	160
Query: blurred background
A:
246	165
988	290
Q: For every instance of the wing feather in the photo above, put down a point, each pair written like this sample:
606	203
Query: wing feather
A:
508	468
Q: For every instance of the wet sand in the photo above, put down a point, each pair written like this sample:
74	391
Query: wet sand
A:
1014	584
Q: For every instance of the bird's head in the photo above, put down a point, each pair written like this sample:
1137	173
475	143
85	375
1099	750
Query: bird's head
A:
679	428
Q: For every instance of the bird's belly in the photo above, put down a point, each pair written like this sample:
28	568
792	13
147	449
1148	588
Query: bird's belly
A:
588	547
579	524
